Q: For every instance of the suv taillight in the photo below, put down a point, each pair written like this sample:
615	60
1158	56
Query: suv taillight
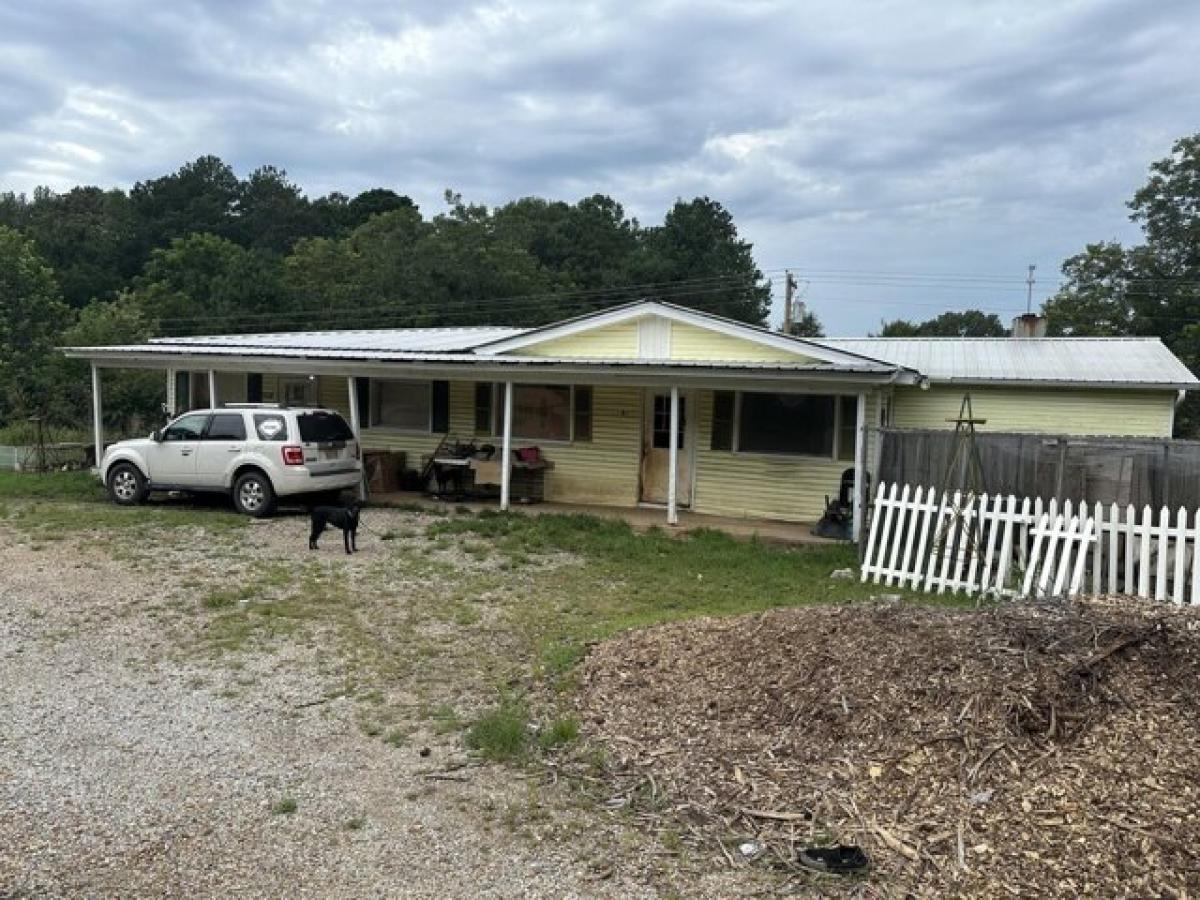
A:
293	456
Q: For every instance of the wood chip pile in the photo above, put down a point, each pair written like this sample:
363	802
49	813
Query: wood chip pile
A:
1025	750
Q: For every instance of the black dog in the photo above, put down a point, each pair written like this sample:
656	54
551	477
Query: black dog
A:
343	517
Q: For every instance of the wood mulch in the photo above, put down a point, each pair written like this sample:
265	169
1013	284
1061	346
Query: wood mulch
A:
1024	750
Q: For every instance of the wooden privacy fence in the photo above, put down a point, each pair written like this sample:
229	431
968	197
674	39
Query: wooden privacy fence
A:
991	544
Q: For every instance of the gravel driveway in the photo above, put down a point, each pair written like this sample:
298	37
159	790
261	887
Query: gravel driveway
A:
132	767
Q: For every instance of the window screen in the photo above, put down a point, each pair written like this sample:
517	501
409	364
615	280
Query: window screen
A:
401	404
484	410
583	414
226	427
847	426
661	435
722	423
800	424
542	412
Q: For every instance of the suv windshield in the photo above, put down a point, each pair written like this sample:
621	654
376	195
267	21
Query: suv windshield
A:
323	427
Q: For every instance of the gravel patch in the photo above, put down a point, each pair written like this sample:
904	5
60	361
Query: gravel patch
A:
128	768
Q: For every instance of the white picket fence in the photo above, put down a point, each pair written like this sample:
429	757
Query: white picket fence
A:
992	544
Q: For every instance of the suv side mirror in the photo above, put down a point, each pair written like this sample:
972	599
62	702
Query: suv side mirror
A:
156	435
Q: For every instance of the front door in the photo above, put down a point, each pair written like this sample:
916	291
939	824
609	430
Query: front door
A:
656	450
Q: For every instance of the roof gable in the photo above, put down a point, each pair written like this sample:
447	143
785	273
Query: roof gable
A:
654	330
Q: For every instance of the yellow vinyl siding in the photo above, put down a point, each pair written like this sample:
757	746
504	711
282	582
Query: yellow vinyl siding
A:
618	341
788	488
602	471
694	343
689	342
1123	413
605	470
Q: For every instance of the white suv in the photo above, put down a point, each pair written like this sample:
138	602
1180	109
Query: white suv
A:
256	451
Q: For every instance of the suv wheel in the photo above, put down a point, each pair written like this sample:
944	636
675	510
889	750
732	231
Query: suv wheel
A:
253	495
126	485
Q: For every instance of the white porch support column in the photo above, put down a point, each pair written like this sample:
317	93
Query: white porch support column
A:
354	426
673	461
506	446
212	389
172	400
97	414
860	456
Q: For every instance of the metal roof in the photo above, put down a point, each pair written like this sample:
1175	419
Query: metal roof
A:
414	340
191	348
1114	361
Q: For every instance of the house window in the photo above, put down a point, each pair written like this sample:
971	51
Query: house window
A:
847	427
801	424
485	408
724	405
542	412
298	391
401	404
583	414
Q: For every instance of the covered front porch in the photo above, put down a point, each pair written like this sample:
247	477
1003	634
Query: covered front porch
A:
745	452
639	518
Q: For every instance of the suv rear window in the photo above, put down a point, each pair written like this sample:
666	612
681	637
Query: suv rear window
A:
323	427
270	427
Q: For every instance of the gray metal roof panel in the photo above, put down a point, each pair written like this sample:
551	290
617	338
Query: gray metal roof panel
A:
192	348
417	340
1117	361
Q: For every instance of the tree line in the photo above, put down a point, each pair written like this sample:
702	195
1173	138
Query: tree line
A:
202	251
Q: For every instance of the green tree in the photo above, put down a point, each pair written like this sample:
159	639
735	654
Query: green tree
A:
205	284
87	236
967	323
698	251
201	197
1094	298
1152	288
272	213
807	325
32	314
132	399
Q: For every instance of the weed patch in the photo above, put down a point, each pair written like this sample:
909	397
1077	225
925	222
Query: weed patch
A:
501	734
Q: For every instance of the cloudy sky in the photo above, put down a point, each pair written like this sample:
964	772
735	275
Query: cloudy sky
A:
901	157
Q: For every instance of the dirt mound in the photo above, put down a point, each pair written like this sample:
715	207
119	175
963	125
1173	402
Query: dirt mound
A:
1022	750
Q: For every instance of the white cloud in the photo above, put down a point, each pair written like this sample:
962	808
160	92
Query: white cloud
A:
875	134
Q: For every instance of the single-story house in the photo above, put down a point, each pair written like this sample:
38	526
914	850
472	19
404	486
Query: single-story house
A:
766	423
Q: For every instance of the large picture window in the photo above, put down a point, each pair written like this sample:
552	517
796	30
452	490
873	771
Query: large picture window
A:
800	424
401	404
542	412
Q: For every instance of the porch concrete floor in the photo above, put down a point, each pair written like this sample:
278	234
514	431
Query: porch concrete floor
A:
639	518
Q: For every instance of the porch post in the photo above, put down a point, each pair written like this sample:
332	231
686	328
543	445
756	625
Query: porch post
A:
506	446
97	414
673	461
353	394
860	455
212	389
171	398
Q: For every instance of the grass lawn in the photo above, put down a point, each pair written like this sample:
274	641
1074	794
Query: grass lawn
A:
514	599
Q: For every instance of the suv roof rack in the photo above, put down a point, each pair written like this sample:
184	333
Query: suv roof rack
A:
254	406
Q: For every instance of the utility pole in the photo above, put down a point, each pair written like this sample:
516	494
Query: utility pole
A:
789	289
1029	292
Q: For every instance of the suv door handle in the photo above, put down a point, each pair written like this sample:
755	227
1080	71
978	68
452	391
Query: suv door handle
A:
237	449
185	451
